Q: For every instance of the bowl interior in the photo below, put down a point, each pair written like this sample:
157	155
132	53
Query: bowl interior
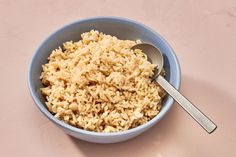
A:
121	28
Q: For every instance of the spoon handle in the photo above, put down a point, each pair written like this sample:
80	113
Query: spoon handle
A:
192	110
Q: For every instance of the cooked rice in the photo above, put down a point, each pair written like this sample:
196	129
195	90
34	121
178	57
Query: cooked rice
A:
100	84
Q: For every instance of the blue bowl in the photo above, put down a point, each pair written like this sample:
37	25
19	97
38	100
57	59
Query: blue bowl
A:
123	29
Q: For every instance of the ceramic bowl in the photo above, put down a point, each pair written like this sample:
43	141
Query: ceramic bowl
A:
123	29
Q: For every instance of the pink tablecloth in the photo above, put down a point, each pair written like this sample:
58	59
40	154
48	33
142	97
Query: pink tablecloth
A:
203	35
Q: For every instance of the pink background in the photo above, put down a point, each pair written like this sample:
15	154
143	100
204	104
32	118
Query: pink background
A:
203	35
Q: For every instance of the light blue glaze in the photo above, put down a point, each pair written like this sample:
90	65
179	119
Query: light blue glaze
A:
123	29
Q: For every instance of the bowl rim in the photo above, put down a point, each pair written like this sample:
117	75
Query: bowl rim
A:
151	122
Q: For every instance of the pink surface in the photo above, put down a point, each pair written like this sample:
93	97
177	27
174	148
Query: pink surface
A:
203	35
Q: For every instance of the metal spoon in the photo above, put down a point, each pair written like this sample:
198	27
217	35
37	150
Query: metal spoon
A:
155	56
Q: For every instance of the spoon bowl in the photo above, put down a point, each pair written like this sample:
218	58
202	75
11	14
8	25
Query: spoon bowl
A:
154	56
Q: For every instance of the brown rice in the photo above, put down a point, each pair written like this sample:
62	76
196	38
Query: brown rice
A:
99	84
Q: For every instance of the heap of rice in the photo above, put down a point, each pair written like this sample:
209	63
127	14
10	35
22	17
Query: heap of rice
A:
100	84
